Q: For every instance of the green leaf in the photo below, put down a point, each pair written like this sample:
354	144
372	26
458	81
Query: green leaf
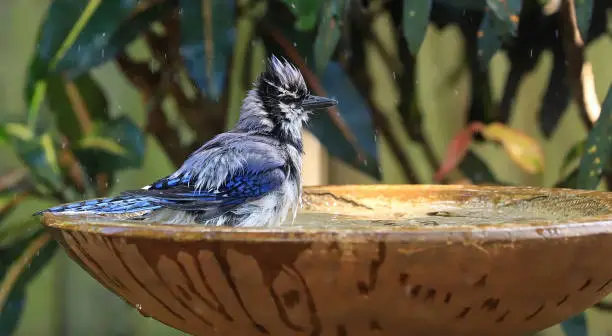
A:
328	33
10	234
569	181
11	312
556	98
302	41
39	154
348	135
507	12
72	102
575	326
40	249
75	34
415	17
474	168
18	131
107	145
110	30
500	22
574	153
64	22
4	137
114	145
305	12
488	40
72	38
598	147
584	13
207	40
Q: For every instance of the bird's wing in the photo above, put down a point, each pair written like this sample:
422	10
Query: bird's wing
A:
258	176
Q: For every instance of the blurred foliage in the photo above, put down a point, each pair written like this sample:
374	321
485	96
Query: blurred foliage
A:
72	148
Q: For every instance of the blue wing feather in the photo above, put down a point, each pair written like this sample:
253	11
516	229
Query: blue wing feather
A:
179	193
108	205
262	172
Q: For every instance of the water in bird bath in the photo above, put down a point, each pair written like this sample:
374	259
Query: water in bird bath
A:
329	212
472	212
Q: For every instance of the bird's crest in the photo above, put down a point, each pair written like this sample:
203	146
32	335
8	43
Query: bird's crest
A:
283	78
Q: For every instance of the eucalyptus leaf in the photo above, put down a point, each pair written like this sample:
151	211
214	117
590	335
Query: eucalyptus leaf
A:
415	18
207	40
598	147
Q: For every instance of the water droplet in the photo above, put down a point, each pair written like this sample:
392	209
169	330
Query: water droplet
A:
294	44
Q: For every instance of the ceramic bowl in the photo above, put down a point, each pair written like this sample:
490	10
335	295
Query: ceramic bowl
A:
365	260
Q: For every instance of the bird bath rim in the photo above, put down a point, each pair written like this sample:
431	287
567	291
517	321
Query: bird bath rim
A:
580	226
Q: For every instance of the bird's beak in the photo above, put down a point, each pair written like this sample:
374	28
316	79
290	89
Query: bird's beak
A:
316	102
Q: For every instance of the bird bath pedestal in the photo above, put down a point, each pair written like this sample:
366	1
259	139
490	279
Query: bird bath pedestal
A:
365	260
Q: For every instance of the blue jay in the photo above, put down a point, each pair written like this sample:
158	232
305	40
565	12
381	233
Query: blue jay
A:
249	176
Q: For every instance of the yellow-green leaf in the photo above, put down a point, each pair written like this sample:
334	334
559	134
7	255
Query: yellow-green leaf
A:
104	144
522	149
50	154
19	131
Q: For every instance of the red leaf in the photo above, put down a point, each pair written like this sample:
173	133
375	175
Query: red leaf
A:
456	150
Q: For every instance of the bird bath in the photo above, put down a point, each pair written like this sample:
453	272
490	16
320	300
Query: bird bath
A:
365	260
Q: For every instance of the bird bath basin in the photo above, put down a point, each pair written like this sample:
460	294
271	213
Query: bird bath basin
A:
365	260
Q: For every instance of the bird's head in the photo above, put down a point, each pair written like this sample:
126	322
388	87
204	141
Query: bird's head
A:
281	100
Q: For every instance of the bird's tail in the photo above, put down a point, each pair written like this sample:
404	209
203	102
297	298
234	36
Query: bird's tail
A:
123	204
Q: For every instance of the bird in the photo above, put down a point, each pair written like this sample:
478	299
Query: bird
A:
249	176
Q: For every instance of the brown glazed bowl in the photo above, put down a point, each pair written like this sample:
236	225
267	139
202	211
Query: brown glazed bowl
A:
471	261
